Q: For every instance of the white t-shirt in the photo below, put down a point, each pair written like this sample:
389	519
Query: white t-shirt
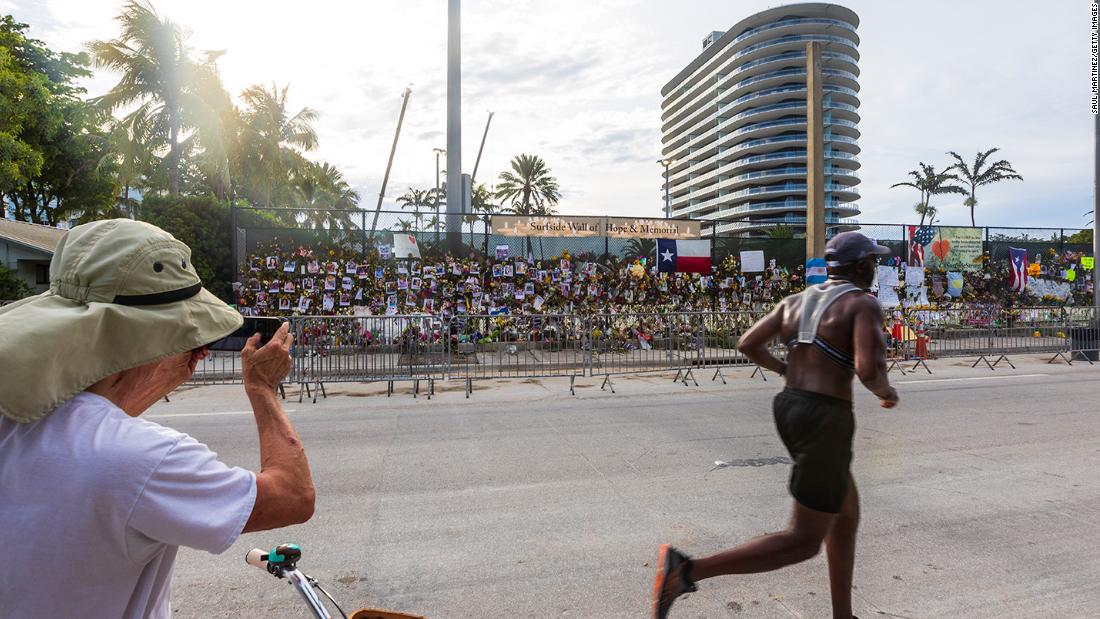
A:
94	503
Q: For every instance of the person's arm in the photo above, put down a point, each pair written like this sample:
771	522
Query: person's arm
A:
870	352
284	486
754	343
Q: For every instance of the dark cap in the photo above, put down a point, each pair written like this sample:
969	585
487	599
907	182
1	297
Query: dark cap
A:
849	247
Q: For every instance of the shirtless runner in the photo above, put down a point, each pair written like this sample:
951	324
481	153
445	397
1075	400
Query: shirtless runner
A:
834	333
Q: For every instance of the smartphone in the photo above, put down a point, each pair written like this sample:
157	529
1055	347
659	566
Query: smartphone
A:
235	341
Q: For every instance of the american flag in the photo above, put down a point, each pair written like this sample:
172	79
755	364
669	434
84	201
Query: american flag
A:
1017	278
919	237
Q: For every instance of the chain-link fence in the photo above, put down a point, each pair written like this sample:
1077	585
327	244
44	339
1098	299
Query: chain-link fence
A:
363	230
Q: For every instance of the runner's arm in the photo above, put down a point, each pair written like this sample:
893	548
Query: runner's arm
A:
754	343
870	351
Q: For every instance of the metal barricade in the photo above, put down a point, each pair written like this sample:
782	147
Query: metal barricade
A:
955	333
1083	334
987	332
522	346
219	368
721	333
419	348
368	349
687	346
633	343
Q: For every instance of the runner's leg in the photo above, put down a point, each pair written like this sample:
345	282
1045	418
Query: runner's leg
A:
840	547
800	541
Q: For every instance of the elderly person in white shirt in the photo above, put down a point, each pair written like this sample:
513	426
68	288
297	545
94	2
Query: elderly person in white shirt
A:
95	501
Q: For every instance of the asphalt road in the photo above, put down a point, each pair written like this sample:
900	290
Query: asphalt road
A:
980	497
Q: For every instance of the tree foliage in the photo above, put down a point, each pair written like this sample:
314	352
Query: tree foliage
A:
12	287
54	163
202	223
982	172
528	187
930	183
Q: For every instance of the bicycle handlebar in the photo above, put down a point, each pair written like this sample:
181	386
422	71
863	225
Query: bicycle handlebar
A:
282	562
256	558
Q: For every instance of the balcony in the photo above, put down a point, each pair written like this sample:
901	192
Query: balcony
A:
681	188
703	139
674	107
790	90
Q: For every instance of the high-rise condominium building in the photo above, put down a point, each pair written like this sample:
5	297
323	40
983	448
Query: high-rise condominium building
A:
734	122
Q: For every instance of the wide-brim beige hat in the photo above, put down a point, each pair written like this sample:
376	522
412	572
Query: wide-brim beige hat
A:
122	294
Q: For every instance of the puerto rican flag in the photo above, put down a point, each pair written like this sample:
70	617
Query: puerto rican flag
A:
1017	276
919	236
683	256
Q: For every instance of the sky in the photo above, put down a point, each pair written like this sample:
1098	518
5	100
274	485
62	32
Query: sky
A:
578	83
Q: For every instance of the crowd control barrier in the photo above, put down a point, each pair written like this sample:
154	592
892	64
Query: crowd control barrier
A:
521	346
422	349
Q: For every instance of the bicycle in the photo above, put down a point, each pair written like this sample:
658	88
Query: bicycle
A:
282	562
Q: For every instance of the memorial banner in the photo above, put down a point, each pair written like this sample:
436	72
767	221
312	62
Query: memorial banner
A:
954	249
613	227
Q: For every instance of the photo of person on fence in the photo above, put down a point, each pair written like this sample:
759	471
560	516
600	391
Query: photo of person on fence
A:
833	332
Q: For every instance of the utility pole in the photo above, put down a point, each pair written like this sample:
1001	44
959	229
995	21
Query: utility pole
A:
454	126
389	164
815	155
1096	212
477	161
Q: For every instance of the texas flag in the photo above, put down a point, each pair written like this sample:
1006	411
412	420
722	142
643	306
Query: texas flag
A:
683	256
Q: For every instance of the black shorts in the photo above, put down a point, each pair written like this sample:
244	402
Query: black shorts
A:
817	431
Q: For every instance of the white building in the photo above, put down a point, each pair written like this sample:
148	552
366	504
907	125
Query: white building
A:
734	122
26	249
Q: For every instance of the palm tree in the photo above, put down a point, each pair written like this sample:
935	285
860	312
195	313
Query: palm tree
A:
215	143
417	200
982	173
325	198
528	188
641	248
481	202
780	231
925	210
152	55
132	146
930	183
274	141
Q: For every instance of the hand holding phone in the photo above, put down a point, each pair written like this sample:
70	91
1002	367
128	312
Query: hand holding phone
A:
234	342
264	367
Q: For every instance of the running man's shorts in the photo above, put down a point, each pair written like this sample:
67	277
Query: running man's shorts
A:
817	431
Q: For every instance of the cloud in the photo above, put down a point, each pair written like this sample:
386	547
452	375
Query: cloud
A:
578	83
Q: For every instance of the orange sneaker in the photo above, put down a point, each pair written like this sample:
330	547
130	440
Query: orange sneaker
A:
673	580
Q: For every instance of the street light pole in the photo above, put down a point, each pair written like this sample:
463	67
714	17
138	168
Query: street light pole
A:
668	208
437	198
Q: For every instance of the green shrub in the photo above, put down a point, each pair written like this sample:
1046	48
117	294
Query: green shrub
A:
12	287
